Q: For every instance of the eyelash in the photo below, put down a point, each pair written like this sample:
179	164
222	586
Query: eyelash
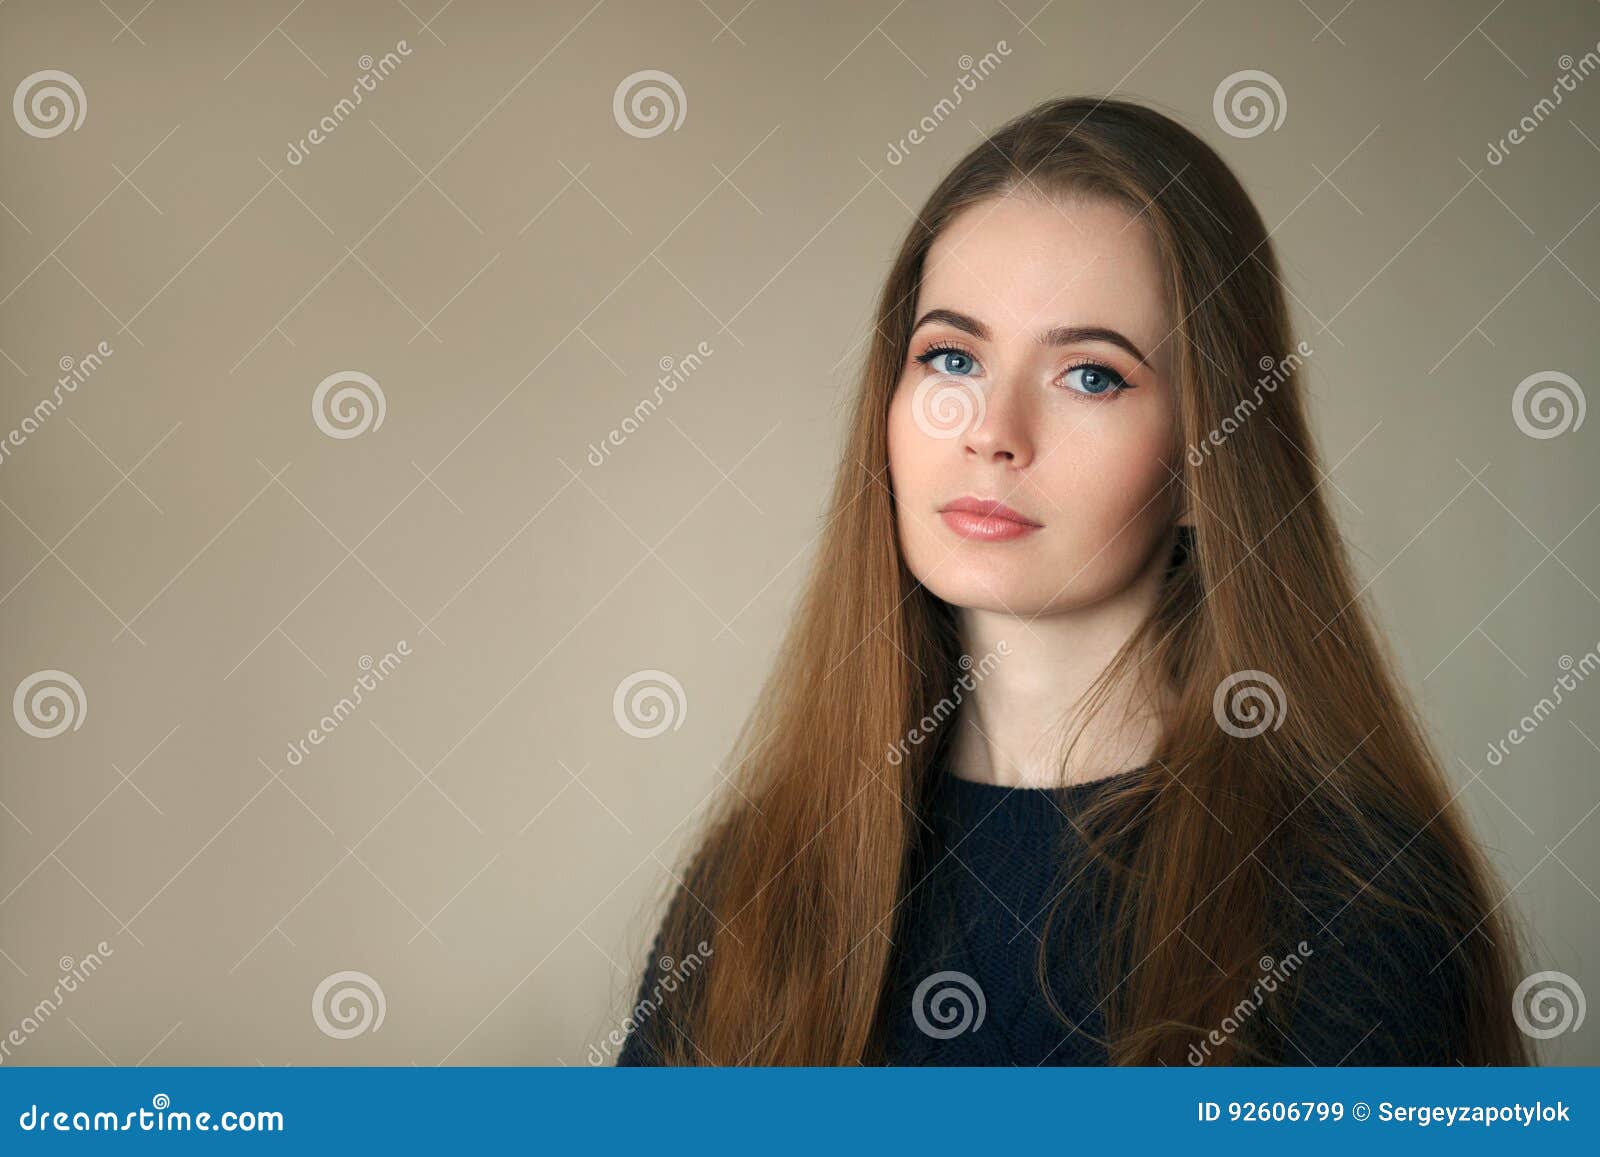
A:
1120	383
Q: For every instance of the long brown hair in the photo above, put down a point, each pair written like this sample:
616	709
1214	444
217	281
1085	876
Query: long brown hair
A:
793	887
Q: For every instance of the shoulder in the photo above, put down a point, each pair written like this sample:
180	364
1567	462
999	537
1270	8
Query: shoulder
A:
642	1044
1377	988
670	983
1382	957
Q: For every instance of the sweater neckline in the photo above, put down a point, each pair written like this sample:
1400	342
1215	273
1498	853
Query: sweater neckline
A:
1002	808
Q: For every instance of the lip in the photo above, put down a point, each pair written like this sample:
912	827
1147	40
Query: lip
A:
986	519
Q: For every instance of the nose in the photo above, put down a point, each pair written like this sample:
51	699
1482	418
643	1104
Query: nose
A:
1000	432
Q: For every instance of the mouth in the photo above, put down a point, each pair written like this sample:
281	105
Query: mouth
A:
986	520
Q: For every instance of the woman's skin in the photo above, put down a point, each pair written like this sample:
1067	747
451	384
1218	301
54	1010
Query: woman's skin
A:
1096	472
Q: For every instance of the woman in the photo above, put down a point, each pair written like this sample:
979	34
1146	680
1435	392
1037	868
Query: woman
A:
1080	749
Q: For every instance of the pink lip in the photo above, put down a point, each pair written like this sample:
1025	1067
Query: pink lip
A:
986	519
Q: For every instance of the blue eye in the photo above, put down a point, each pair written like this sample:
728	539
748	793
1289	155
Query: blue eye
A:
1094	379
956	363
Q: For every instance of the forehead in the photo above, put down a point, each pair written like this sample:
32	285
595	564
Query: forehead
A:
1022	264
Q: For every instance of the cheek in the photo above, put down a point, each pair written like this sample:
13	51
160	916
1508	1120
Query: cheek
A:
1126	499
915	468
907	449
1108	485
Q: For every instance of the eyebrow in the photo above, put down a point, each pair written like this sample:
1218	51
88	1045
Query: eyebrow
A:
1056	336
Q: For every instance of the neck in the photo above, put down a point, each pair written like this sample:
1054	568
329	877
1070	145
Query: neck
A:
1012	728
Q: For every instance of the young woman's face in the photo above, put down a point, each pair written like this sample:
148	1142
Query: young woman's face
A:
1019	387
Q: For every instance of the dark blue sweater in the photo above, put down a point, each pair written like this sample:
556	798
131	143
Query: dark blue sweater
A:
963	989
970	934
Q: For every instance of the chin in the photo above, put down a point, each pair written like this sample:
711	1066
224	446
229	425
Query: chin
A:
998	593
1038	584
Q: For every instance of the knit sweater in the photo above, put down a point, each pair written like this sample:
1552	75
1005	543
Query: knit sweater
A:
962	986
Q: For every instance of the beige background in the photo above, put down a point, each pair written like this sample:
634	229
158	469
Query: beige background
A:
481	237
